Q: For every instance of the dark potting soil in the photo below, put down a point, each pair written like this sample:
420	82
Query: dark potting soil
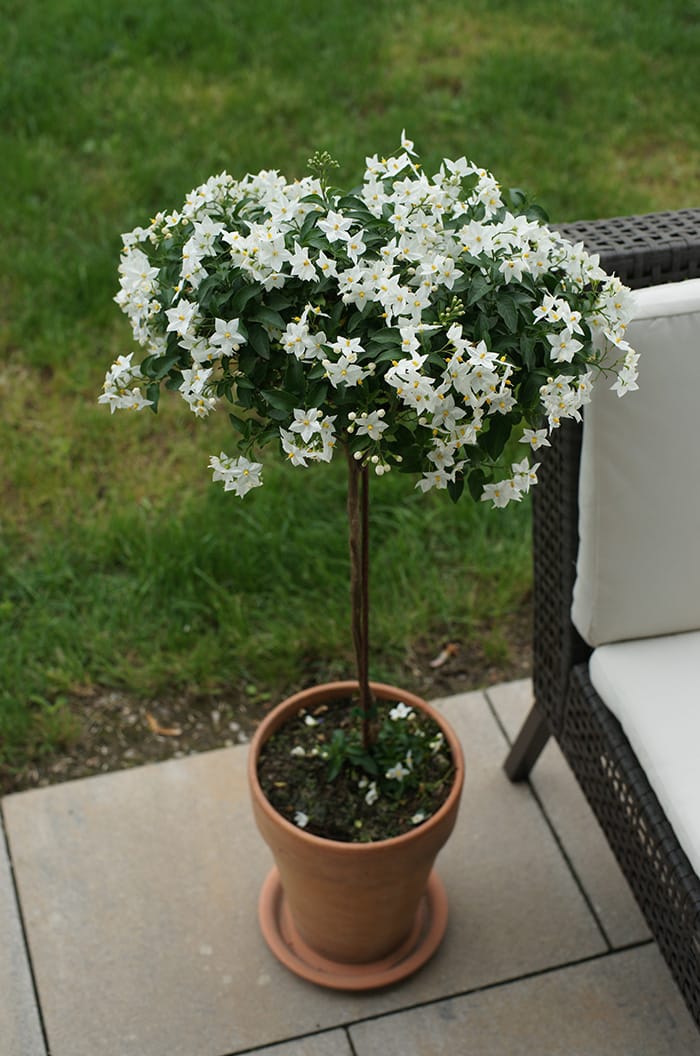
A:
293	774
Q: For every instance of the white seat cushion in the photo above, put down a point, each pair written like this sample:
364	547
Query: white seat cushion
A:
653	688
638	572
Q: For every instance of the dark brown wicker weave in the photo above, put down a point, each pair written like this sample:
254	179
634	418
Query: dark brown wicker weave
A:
643	251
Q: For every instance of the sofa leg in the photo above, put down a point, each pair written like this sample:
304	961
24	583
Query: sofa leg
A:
526	749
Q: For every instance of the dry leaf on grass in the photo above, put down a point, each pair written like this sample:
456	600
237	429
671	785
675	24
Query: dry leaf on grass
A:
449	649
162	731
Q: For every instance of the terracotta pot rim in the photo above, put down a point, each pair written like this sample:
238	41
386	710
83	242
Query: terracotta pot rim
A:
329	689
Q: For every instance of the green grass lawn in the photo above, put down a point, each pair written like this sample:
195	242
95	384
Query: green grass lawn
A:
120	565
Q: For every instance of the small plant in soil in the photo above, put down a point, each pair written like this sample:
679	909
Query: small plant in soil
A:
344	791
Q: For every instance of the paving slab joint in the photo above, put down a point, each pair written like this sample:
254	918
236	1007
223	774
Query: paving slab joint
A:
4	839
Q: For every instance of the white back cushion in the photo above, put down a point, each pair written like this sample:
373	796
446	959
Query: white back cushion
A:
638	571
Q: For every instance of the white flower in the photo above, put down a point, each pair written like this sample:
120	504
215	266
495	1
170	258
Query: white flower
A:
181	317
501	493
536	438
137	274
397	772
418	817
371	425
476	237
298	752
301	265
297	455
372	794
564	346
407	144
227	336
512	268
524	475
354	247
335	226
238	474
125	399
345	371
401	711
327	266
306	423
301	819
310	720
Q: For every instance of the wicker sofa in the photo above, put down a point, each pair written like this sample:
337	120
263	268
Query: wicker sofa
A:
621	785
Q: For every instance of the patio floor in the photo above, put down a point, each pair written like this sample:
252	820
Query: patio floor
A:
128	920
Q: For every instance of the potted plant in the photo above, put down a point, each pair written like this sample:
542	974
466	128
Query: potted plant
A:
414	324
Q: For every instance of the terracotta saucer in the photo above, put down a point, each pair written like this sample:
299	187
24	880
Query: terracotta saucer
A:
289	948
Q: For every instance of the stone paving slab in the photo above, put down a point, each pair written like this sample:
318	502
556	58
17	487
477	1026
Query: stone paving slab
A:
575	824
139	892
20	1030
624	1004
330	1043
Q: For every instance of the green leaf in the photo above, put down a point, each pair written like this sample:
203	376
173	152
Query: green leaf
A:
308	226
386	356
241	298
494	439
358	318
334	767
157	367
315	199
529	393
207	285
508	312
264	436
388	336
279	399
316	240
259	342
245	393
527	350
294	379
336	315
361	758
484	327
277	301
536	212
268	317
412	460
477	479
259	373
153	394
478	288
317	394
455	488
241	424
348	201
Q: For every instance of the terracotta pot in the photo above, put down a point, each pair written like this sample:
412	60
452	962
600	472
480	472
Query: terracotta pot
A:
352	915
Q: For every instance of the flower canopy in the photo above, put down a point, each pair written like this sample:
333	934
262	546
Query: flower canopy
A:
418	321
